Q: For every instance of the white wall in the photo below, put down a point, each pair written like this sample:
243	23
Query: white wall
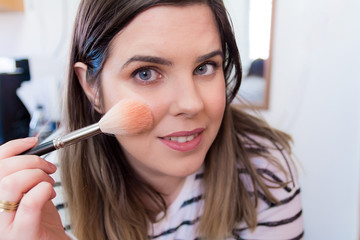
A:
239	11
315	88
315	92
42	33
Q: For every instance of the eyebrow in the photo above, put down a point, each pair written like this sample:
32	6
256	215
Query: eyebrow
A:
163	61
210	55
149	59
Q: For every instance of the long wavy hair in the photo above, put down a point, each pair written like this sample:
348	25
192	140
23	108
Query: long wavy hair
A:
103	192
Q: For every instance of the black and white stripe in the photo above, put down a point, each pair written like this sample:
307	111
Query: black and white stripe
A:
283	217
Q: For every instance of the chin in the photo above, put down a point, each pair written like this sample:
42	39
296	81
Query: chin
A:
185	169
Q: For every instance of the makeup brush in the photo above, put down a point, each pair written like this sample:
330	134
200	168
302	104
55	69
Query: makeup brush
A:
127	117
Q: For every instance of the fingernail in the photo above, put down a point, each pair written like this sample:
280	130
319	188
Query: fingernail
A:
30	139
52	166
53	180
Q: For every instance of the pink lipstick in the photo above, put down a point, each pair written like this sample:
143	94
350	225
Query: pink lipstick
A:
183	141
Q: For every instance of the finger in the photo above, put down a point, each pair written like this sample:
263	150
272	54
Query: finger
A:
18	163
29	213
17	146
12	187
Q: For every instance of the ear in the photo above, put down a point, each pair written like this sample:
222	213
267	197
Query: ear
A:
90	91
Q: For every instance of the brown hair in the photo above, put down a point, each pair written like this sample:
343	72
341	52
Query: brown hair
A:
104	194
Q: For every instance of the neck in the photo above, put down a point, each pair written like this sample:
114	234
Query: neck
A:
168	187
171	189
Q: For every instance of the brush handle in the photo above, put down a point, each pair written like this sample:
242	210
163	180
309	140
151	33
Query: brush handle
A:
40	149
60	142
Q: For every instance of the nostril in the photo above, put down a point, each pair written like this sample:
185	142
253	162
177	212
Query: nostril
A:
189	107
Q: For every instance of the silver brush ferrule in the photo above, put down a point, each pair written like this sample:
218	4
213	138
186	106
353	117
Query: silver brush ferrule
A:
76	136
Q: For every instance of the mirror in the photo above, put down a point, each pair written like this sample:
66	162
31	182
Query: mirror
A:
253	23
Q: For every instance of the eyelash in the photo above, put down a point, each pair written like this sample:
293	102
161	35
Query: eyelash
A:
139	70
143	69
215	65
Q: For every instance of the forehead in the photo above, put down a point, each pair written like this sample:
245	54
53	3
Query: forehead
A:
165	27
173	13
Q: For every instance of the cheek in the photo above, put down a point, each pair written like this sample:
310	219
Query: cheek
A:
135	145
114	91
114	88
215	99
137	150
110	94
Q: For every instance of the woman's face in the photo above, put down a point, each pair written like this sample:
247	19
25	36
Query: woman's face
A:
170	58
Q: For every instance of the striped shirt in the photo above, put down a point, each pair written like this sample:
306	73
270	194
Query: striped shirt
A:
280	221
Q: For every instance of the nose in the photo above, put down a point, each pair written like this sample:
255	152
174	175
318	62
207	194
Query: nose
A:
187	99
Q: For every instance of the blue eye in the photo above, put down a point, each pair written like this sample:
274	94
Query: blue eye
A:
146	75
205	69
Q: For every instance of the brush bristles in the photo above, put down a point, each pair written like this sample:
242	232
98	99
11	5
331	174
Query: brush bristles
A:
128	117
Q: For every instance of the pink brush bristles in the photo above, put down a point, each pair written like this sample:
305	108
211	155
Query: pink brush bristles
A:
128	117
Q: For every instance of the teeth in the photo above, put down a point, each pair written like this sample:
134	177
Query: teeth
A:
182	139
189	138
179	139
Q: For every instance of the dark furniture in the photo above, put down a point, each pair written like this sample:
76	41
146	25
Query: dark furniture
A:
14	117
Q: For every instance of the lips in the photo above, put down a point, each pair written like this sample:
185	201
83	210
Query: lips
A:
183	141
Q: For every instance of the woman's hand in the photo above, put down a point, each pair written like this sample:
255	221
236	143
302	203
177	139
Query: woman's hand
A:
25	180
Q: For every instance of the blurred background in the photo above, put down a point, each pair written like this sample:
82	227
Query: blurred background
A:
308	86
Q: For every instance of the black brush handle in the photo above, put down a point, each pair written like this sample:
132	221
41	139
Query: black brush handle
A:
60	142
41	149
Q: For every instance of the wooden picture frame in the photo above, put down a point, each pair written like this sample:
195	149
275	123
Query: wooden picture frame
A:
258	95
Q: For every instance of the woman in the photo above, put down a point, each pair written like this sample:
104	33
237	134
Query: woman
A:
204	170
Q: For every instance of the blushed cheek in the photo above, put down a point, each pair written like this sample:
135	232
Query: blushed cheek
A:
217	101
158	104
110	98
136	145
158	111
113	93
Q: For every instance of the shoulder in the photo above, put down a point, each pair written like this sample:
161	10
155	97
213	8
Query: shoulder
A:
271	160
276	220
